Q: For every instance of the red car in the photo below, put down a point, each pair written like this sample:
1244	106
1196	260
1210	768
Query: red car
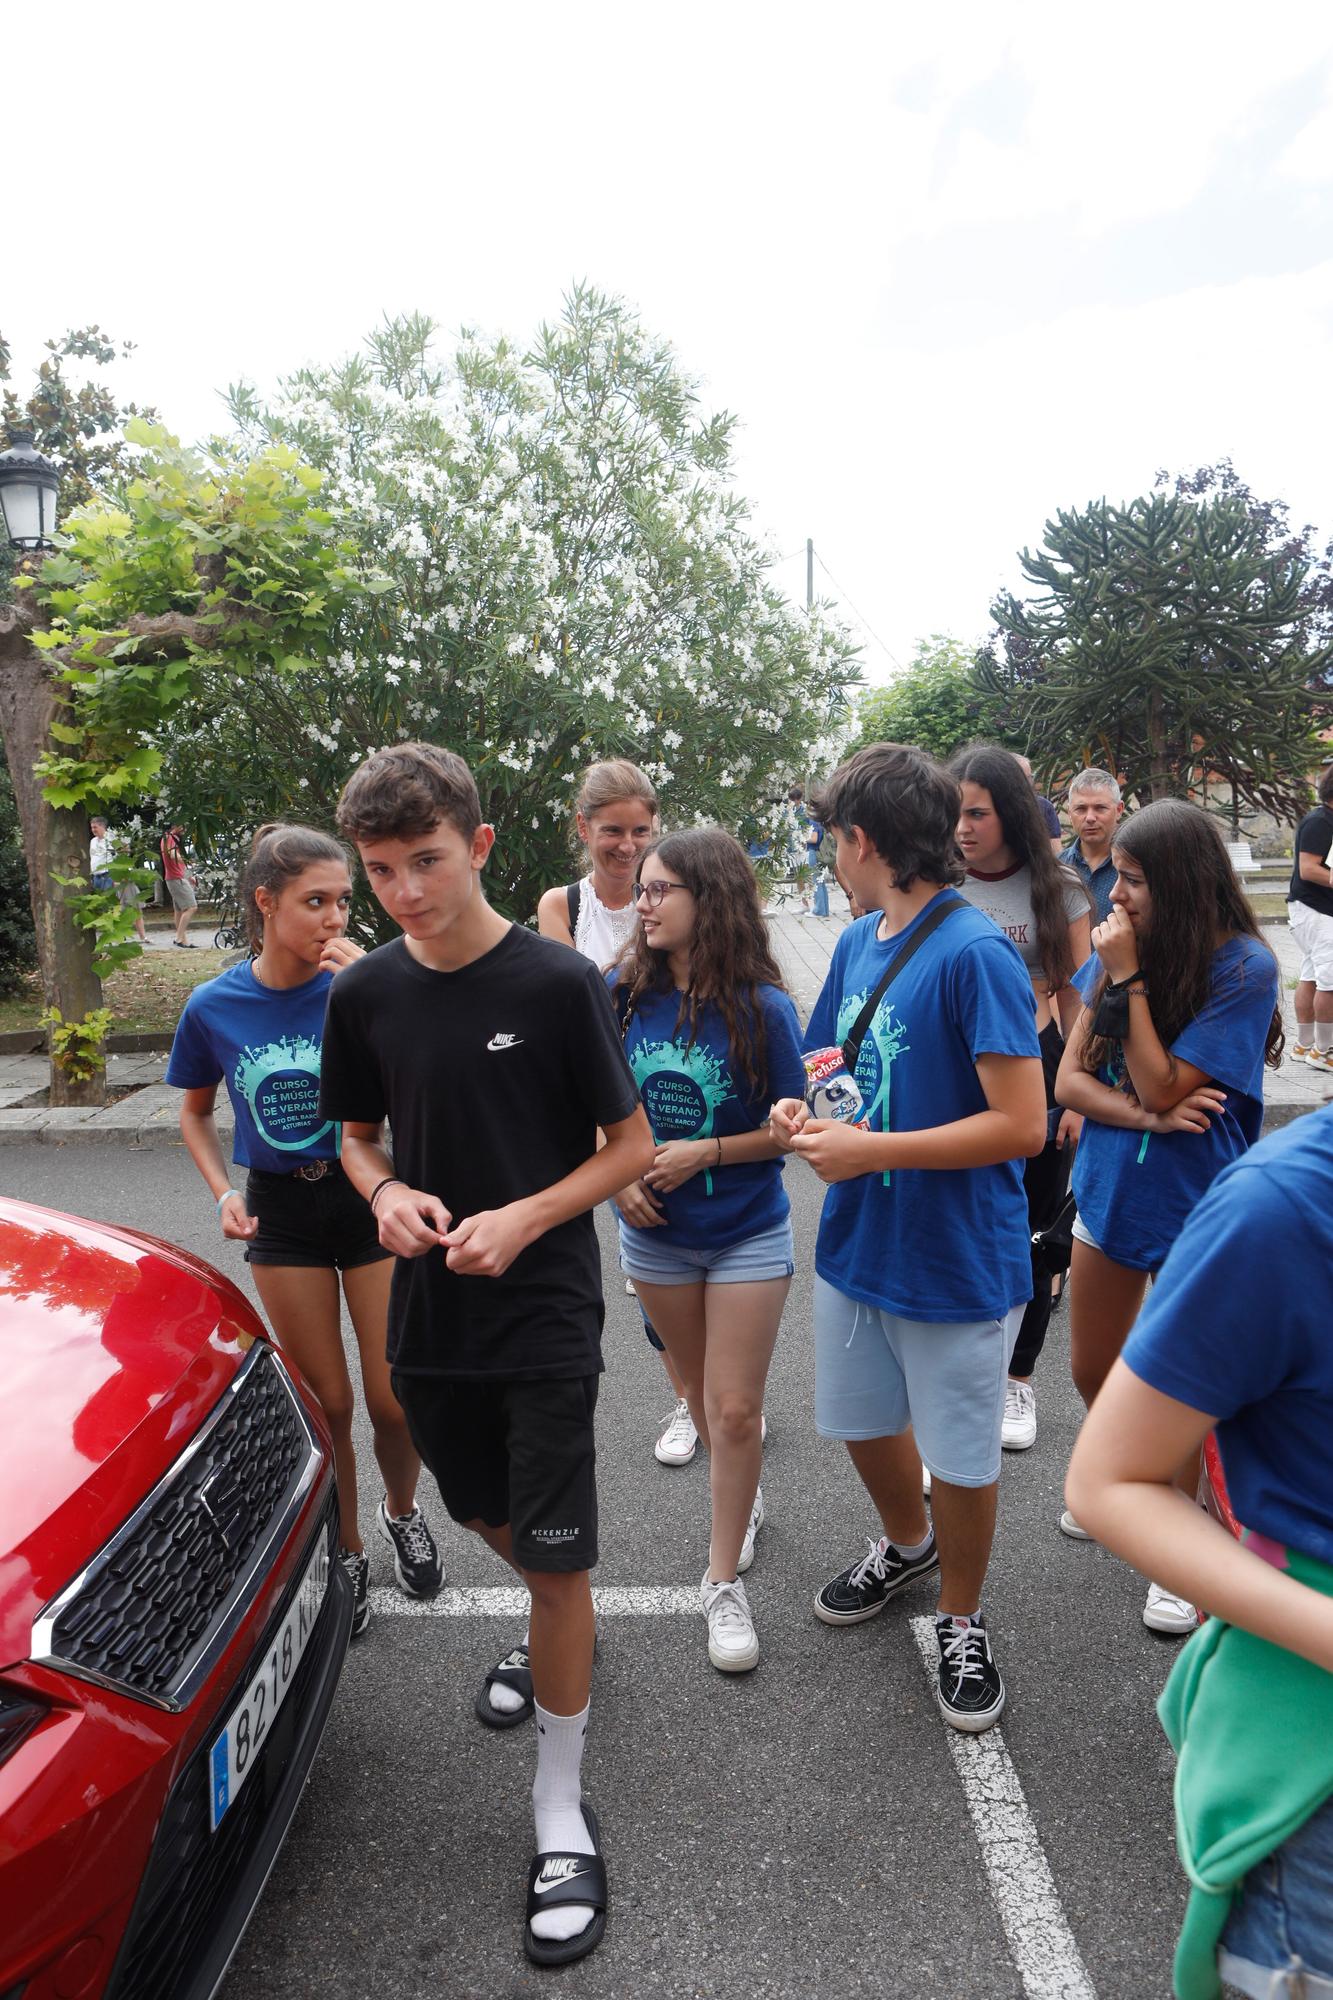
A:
173	1619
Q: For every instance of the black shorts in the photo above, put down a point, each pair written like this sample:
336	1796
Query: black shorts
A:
323	1224
515	1453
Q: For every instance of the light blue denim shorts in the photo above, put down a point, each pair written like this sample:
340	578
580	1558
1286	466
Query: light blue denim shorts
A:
1279	1937
876	1374
768	1255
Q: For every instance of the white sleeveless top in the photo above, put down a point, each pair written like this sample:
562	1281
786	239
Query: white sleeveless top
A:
602	934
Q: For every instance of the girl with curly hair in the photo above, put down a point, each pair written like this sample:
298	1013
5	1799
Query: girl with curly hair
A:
1043	909
713	1039
1180	1015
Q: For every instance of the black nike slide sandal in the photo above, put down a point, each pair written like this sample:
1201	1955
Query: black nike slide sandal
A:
512	1672
567	1878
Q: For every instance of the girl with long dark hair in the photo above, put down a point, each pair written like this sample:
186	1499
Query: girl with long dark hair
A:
1043	908
1180	1015
259	1028
713	1039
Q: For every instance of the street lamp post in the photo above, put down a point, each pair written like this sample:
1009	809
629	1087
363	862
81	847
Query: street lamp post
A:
29	489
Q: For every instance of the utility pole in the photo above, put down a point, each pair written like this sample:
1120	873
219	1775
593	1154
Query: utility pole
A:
809	573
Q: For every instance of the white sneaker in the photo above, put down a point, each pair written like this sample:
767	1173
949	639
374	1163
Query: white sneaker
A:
629	1289
680	1440
733	1645
1318	1058
1165	1612
1069	1526
755	1523
1018	1432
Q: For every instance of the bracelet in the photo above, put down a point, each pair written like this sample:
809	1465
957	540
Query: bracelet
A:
718	1161
227	1197
390	1180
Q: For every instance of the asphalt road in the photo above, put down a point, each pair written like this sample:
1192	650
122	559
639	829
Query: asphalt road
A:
801	1831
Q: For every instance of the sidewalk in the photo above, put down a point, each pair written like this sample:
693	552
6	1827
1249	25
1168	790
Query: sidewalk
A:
802	946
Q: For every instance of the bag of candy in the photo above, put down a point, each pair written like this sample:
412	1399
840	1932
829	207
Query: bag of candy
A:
831	1091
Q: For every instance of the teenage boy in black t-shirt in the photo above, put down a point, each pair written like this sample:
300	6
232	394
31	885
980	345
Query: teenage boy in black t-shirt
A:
495	1056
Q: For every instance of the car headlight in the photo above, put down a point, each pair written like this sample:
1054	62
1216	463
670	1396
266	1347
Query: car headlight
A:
19	1712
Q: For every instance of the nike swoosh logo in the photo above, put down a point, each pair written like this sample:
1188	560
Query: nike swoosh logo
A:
505	1042
539	1888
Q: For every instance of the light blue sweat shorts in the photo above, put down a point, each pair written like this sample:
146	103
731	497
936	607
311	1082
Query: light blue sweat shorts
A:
876	1374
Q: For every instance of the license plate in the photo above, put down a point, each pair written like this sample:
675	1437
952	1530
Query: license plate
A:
236	1751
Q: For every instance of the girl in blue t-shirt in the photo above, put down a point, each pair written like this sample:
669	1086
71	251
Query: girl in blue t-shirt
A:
713	1039
259	1029
1165	1061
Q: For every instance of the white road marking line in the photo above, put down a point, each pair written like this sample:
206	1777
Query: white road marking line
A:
1021	1884
667	1601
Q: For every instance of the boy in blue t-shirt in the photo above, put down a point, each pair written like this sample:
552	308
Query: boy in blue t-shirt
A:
923	1263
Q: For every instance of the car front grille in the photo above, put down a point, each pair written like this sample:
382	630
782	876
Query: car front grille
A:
159	1603
200	1886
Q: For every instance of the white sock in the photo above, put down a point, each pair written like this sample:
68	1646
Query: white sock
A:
1323	1036
913	1549
1305	1033
506	1699
556	1800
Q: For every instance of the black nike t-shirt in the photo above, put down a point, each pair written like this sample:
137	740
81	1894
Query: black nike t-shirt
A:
1314	835
494	1080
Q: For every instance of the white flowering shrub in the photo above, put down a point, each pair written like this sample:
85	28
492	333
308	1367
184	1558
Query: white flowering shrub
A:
573	577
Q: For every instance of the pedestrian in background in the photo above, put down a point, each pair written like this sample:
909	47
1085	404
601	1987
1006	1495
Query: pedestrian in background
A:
99	855
180	883
1095	806
615	818
1050	818
1043	909
1310	918
1166	1063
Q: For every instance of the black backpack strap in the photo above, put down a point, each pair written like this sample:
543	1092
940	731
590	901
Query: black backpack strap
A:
851	1048
573	897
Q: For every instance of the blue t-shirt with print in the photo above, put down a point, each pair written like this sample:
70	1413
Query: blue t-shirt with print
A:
1135	1189
265	1046
927	1244
1237	1326
699	1093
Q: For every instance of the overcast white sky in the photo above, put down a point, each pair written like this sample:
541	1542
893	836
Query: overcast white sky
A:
953	267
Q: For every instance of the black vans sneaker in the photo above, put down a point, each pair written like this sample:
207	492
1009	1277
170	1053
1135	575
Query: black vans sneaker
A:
865	1588
970	1691
357	1565
416	1560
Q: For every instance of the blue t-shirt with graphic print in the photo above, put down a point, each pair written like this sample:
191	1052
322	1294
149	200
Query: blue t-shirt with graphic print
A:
936	1245
265	1046
698	1092
1237	1326
1136	1189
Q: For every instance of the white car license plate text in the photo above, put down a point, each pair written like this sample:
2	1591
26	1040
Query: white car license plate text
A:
236	1751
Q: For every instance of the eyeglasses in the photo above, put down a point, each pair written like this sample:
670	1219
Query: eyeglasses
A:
653	892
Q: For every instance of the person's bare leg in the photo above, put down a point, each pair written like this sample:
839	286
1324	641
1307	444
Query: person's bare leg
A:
1103	1306
302	1307
1303	999
561	1636
367	1290
742	1330
890	1471
964	1531
677	1389
677	1314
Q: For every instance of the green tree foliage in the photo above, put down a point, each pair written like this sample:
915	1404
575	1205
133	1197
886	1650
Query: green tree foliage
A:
1171	637
573	577
18	947
937	703
79	424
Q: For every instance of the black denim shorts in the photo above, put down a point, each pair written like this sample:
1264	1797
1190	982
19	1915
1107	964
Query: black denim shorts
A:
323	1224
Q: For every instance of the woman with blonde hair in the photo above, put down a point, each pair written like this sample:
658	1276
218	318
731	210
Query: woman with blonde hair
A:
616	817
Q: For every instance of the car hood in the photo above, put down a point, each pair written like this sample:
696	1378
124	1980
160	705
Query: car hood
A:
113	1348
